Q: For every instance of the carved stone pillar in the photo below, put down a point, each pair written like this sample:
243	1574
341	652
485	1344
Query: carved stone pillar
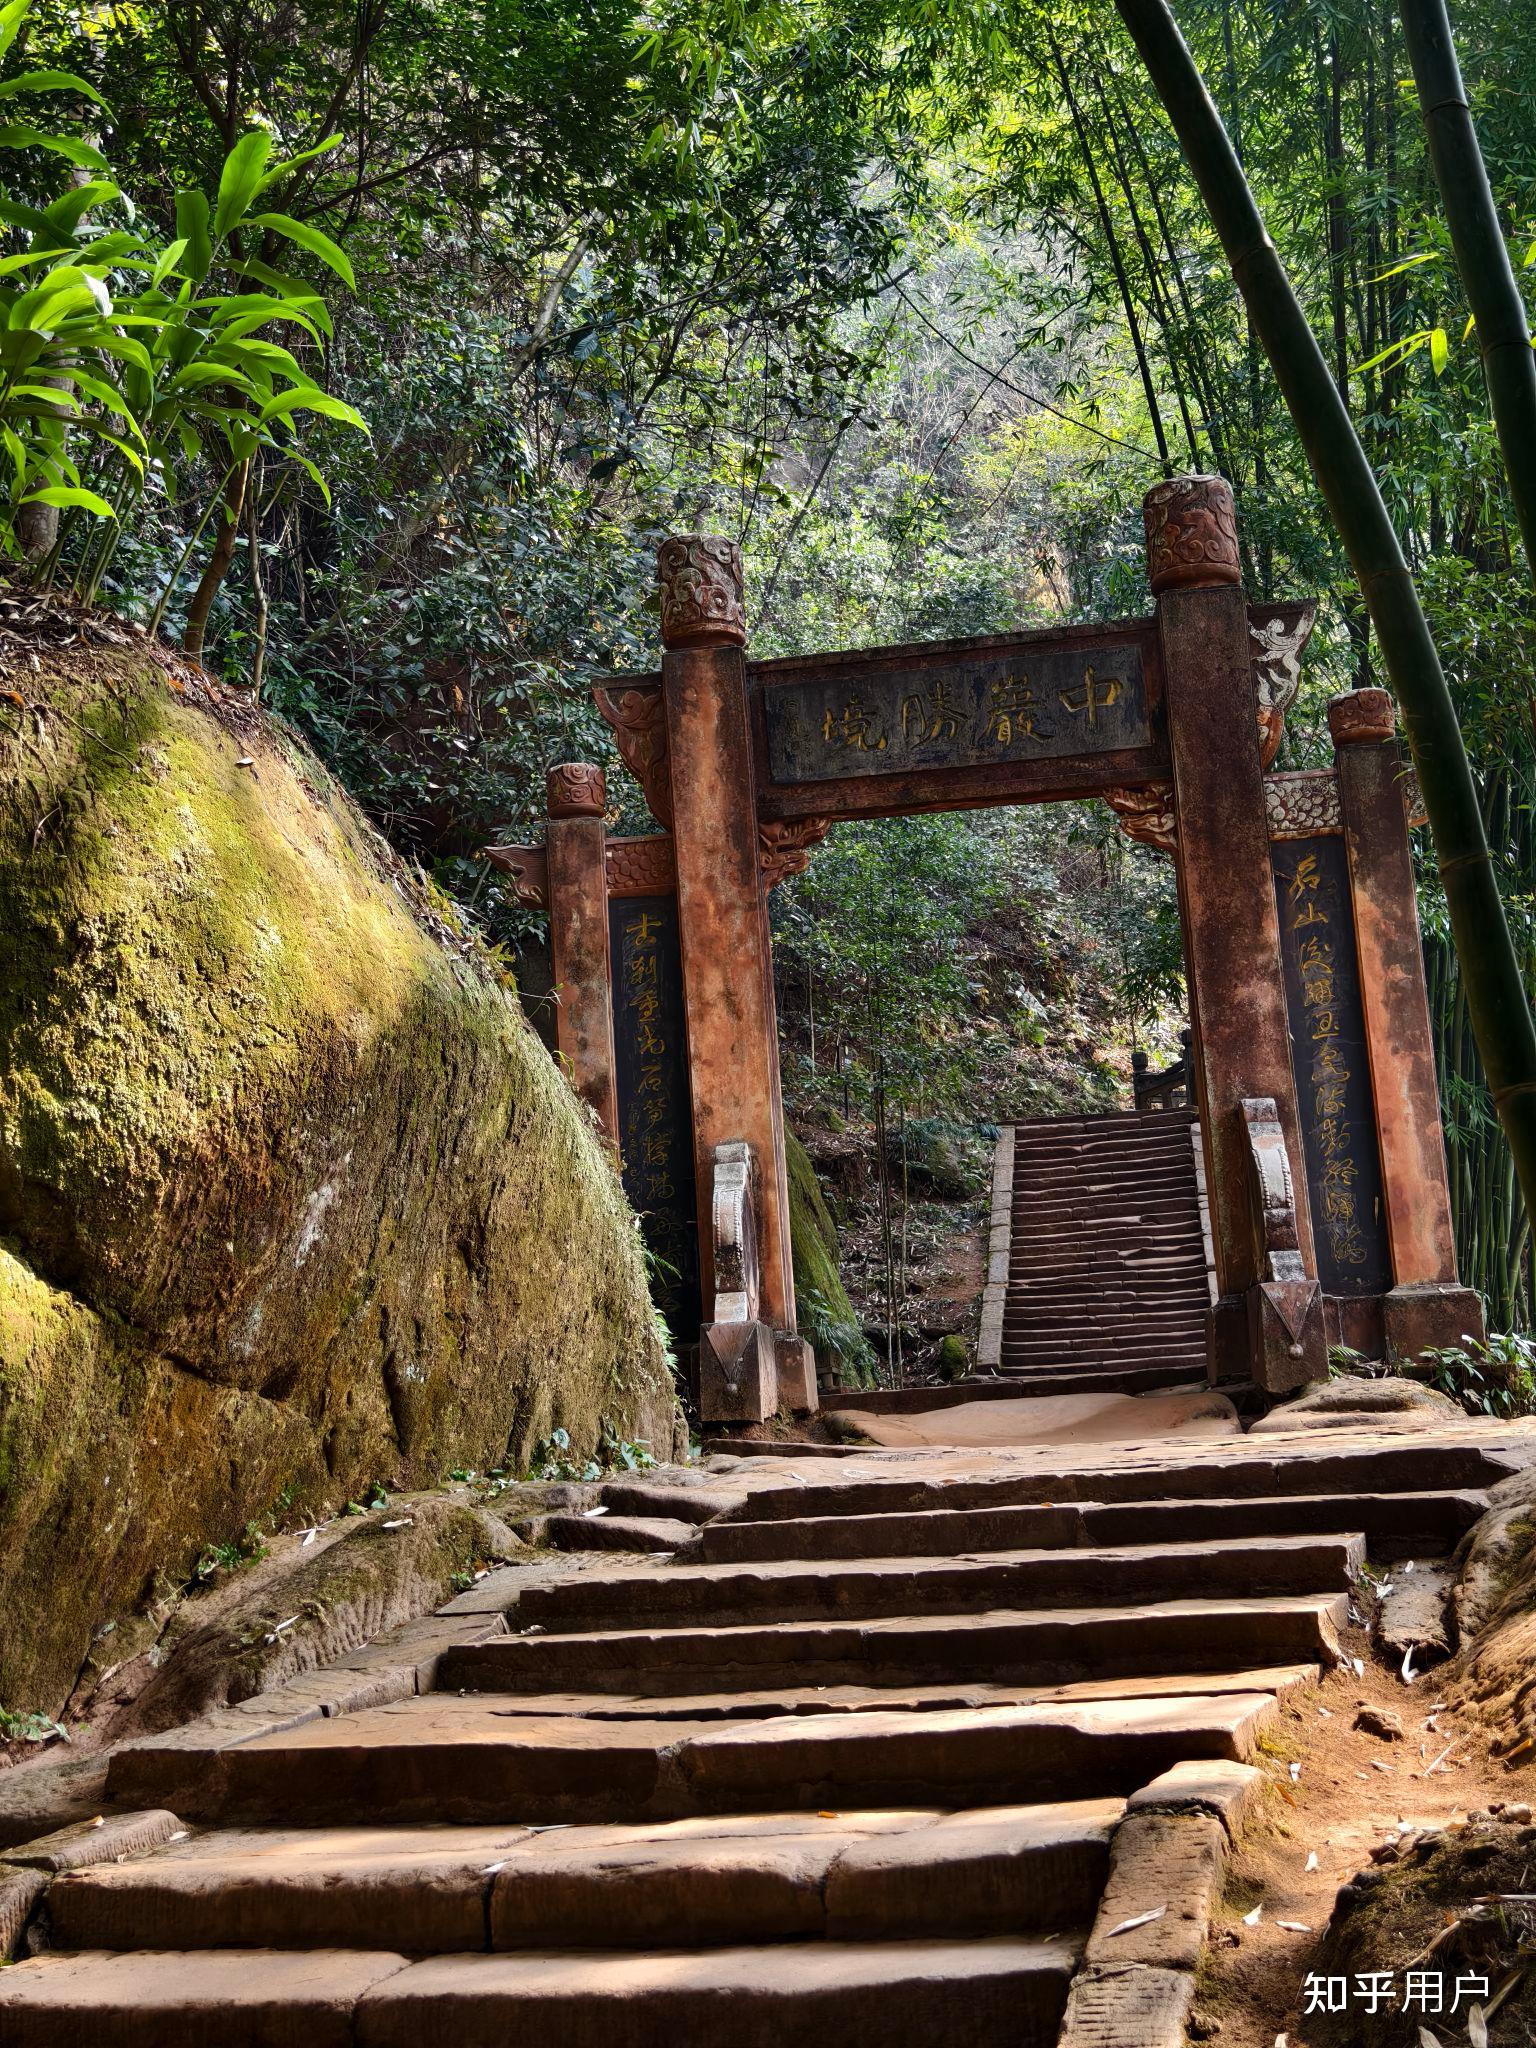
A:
577	889
1426	1305
733	1040
1226	891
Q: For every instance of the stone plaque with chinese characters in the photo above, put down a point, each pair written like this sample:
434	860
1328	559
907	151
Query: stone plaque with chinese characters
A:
1040	704
1333	1083
655	1113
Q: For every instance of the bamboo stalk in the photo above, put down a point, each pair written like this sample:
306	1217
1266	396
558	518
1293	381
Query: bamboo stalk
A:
1499	1008
1482	255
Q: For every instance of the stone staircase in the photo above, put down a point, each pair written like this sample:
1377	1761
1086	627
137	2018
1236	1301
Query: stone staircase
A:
907	1750
1107	1278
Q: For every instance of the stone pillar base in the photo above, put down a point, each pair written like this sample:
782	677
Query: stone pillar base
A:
1429	1317
738	1376
796	1375
1286	1336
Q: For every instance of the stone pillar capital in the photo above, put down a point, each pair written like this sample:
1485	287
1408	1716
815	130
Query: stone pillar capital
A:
701	592
1191	526
575	789
1362	718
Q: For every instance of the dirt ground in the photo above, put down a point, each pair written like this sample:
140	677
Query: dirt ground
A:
1338	1793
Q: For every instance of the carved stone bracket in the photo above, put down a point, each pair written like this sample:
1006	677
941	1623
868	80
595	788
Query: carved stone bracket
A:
1299	805
738	1374
528	868
786	846
639	721
1285	1306
636	867
1279	634
1362	718
1146	814
1191	524
701	592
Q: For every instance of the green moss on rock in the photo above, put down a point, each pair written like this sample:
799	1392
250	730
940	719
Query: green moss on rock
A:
827	1316
291	1196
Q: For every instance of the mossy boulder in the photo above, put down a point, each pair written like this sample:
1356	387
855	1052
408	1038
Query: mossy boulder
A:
291	1198
827	1316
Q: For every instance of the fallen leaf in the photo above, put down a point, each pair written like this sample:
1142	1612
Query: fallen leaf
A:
1294	1926
1295	1774
1408	1674
1252	1919
404	1522
1427	2039
592	1513
1137	1920
1312	1863
1477	2027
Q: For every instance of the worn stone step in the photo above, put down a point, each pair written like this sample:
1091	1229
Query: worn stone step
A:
1395	1525
769	1877
1224	1473
441	1758
728	1595
1032	1648
999	1993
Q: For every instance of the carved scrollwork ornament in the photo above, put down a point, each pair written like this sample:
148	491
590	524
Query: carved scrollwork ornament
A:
638	718
527	869
786	846
1191	524
701	592
1146	814
1278	640
1362	718
575	789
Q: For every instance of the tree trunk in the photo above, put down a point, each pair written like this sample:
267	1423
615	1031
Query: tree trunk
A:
1496	997
225	535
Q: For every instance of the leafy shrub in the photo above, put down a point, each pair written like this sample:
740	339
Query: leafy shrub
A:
124	367
1496	1378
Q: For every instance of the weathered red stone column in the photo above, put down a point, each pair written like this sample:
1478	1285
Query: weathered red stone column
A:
578	935
733	1038
1427	1305
1226	887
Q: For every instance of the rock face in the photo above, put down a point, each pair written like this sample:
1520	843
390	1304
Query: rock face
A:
1340	1403
842	1351
290	1196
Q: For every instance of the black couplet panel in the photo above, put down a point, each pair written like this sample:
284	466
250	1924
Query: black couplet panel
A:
1328	1054
655	1114
958	713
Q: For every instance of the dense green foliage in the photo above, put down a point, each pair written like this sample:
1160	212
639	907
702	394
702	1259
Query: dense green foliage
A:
913	297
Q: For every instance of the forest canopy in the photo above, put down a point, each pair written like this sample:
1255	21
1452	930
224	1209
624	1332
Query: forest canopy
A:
913	298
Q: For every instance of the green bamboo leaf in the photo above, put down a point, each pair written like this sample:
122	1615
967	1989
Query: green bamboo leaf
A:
86	500
311	470
70	208
192	228
49	81
1408	263
11	19
292	163
16	135
1439	350
12	444
169	258
308	237
26	217
239	179
312	399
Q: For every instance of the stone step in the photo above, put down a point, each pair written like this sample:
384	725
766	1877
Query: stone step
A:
1395	1525
439	1758
768	1877
723	1596
999	1993
1063	1646
1222	1473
